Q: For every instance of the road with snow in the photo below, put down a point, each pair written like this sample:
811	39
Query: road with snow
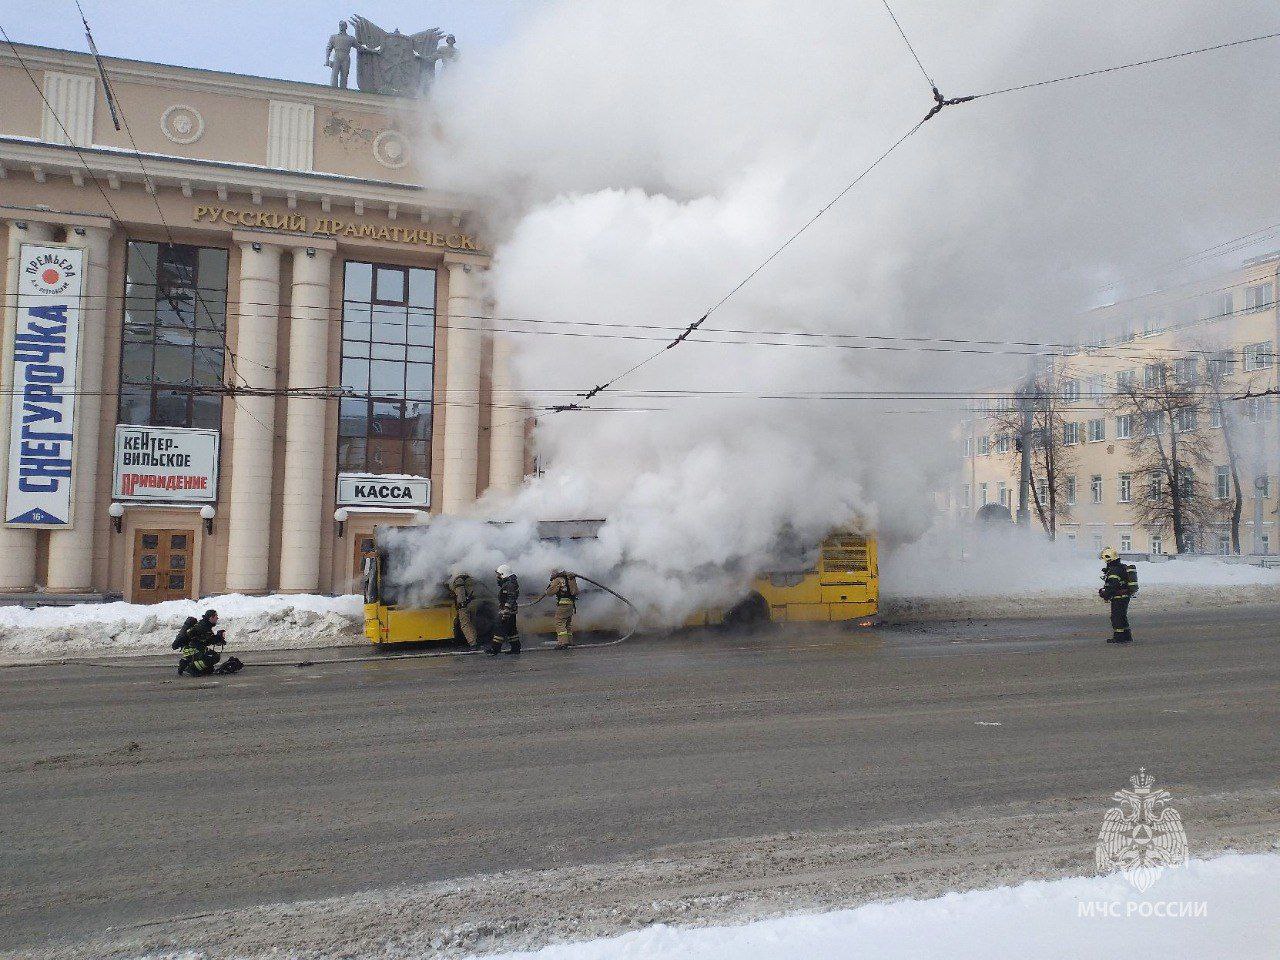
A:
130	796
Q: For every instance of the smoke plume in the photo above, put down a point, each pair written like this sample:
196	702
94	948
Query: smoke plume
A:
638	160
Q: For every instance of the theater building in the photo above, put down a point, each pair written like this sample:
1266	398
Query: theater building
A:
238	333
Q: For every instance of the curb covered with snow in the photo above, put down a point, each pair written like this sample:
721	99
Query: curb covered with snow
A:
1225	907
252	623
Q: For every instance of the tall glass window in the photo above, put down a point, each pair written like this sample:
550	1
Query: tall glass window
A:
388	357
174	342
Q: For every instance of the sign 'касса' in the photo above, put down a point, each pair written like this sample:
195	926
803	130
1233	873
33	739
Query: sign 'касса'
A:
377	490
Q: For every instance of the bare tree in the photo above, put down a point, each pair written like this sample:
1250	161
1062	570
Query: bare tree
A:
1051	457
1225	408
1168	444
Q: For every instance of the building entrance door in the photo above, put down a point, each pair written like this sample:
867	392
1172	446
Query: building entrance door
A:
364	548
162	562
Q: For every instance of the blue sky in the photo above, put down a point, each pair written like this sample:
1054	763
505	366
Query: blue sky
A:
273	38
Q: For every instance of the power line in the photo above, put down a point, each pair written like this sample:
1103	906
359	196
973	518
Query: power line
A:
1126	66
902	33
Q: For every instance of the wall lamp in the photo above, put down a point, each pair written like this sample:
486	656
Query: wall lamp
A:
311	252
257	247
340	517
79	231
207	513
116	513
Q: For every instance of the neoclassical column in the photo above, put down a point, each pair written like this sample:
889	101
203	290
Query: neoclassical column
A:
249	502
301	519
506	423
71	550
17	546
462	386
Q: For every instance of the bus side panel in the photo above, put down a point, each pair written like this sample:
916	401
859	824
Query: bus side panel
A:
426	623
372	624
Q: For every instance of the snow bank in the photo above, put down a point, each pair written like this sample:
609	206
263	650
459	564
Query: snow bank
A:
1039	920
252	623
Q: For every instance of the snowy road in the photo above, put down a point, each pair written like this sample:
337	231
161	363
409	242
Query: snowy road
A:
131	797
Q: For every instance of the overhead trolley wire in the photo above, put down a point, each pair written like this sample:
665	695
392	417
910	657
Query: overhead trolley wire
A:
903	34
1125	66
940	103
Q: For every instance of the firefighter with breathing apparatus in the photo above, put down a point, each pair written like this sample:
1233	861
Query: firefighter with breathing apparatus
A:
462	587
1119	584
564	587
507	629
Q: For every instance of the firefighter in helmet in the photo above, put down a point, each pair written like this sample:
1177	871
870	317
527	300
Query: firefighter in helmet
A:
508	630
564	587
1117	588
463	590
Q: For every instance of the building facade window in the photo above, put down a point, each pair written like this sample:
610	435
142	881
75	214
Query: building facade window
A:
1257	356
1157	546
1224	545
388	366
1222	482
1097	430
984	445
1042	491
1258	296
1184	370
1152	375
1095	488
1126	488
1184	419
174	335
1070	390
1126	543
1124	427
1215	415
1004	443
1071	491
1070	433
1002	489
1262	486
983	493
968	446
968	495
1126	380
1264	544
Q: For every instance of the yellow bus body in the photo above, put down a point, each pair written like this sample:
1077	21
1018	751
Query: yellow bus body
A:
845	585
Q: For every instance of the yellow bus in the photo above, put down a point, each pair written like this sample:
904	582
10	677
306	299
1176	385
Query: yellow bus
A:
842	584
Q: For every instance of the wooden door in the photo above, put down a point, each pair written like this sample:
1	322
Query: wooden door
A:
363	545
162	565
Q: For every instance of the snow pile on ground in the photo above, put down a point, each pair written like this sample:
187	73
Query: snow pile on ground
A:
1008	575
252	623
1226	907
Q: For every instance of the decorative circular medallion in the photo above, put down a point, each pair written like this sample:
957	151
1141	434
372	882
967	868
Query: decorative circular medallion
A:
182	124
391	149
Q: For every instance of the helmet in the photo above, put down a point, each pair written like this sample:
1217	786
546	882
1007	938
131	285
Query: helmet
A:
504	571
1109	554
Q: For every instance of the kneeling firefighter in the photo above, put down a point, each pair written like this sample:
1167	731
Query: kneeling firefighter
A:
564	587
508	629
464	600
195	642
1119	584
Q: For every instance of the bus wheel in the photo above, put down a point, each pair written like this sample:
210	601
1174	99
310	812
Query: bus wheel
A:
750	611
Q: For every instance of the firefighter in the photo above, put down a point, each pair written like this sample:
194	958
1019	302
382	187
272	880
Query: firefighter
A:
564	587
464	598
508	630
1116	589
198	639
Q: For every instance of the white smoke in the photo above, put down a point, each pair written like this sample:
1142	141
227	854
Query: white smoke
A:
641	158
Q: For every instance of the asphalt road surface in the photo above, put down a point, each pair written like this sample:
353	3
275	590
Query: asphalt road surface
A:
130	796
